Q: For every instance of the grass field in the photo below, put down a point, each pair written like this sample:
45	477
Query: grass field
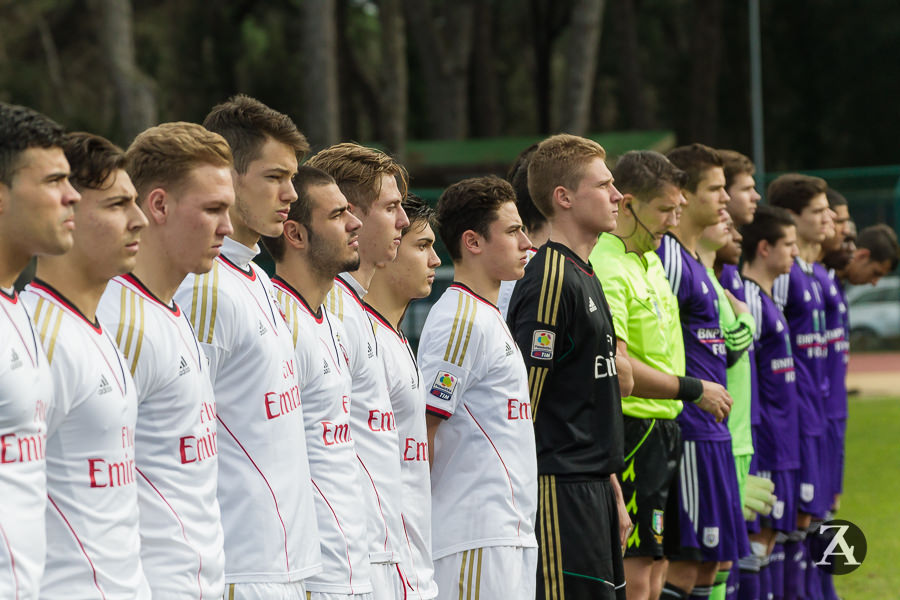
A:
872	496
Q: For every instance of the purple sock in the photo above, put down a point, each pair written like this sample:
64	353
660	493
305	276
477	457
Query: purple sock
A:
765	580
749	579
794	568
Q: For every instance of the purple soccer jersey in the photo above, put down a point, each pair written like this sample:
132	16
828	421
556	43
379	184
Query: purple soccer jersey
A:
838	343
800	297
730	278
777	444
704	346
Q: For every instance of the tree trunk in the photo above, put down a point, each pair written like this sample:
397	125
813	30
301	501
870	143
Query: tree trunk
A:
485	92
706	49
581	65
633	96
444	54
318	52
394	76
135	94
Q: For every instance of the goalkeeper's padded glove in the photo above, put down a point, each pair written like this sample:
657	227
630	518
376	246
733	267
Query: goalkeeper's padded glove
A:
758	497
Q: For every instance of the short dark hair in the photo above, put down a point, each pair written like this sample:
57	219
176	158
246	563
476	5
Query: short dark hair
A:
644	173
300	210
92	159
359	171
246	124
518	179
734	163
881	242
470	204
695	160
561	159
418	212
795	191
769	223
22	128
835	198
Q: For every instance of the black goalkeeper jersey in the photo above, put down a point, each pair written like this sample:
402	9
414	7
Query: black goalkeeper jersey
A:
562	324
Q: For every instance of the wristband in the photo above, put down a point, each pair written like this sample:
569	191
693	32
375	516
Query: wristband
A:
690	389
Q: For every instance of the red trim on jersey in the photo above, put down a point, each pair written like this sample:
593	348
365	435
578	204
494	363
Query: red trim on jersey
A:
463	287
278	282
33	357
287	560
508	478
377	497
412	565
56	295
145	291
12	560
80	545
14	297
438	412
340	281
402	580
338	521
251	275
180	524
579	267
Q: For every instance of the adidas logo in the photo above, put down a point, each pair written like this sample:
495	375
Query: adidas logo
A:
509	349
183	367
262	329
105	388
591	306
413	384
370	351
326	369
15	362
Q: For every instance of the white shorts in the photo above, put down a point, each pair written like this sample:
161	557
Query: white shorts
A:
387	582
492	573
294	590
330	596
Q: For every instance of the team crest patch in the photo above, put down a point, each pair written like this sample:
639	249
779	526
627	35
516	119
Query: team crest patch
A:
807	492
443	385
542	344
656	522
778	509
710	537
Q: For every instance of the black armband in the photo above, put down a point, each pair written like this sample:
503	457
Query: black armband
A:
690	389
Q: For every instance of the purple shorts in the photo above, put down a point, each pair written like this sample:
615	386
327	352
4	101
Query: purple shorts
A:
710	520
814	491
784	513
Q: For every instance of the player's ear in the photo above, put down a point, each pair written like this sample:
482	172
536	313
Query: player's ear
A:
156	205
470	241
295	235
561	197
762	248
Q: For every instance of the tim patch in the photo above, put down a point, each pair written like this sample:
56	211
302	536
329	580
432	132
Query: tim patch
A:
443	385
542	344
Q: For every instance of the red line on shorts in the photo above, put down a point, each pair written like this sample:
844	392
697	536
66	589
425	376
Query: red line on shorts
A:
80	545
338	521
12	560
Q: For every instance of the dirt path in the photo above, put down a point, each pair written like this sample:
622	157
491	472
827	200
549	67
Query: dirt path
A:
876	374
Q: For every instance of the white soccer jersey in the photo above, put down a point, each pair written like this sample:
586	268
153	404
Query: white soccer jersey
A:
484	476
325	384
507	287
93	541
175	442
265	494
404	381
372	422
25	393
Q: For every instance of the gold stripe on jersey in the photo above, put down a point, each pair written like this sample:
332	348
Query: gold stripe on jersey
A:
206	298
140	336
461	332
36	317
215	302
551	287
131	321
471	559
551	554
334	302
52	319
536	378
123	295
230	591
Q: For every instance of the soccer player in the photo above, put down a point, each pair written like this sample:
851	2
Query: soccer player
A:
320	240
264	490
36	217
875	256
393	287
536	227
483	474
710	520
801	298
374	185
182	174
93	542
770	247
562	324
645	316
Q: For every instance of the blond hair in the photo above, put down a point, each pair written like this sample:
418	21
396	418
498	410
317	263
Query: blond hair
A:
359	171
163	155
560	160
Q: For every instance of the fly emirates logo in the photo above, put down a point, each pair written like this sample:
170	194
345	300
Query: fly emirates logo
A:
105	473
197	448
15	448
278	404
